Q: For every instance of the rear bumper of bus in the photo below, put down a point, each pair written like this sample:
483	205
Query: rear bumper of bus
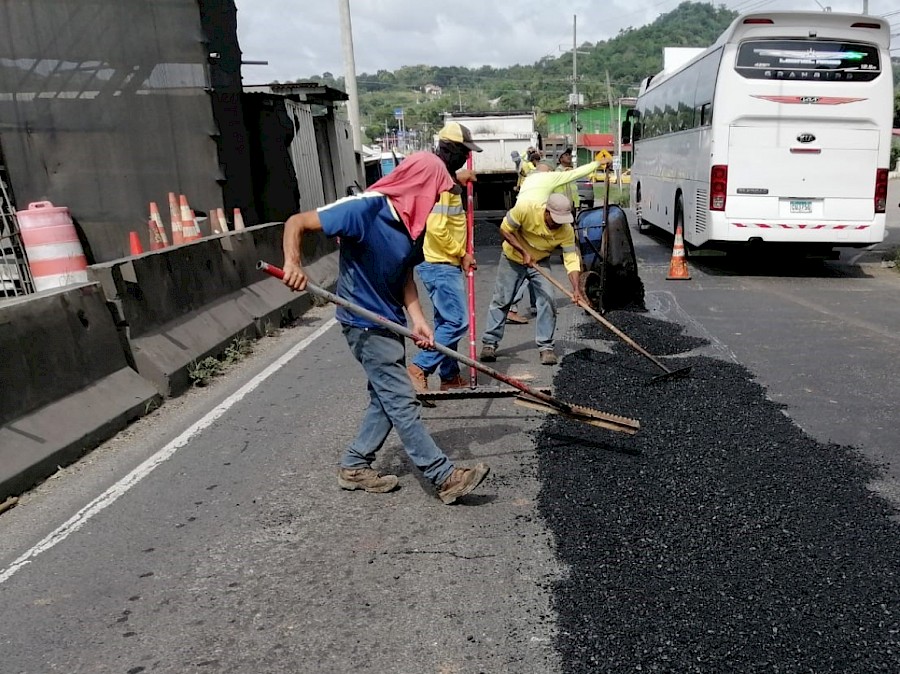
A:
843	233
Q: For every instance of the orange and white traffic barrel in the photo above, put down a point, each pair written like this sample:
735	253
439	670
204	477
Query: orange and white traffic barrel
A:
54	251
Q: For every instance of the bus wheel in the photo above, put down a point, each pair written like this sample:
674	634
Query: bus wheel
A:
642	226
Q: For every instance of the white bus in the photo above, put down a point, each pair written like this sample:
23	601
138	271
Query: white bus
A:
780	133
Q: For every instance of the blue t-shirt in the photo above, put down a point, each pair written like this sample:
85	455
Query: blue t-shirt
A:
376	255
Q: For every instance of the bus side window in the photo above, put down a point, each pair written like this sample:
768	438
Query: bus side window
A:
631	127
706	114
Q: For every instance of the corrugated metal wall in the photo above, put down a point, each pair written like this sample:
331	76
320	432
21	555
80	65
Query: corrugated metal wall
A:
349	169
105	108
305	156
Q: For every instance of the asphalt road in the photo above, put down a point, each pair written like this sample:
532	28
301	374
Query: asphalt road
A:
211	536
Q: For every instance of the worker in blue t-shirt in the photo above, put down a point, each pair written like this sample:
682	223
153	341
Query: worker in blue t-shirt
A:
381	241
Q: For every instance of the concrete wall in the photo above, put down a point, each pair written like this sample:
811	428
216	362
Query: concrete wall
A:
182	304
78	364
66	384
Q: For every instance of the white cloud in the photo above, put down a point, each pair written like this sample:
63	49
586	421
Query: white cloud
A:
388	34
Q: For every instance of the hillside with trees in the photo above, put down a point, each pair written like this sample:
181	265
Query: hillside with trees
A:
544	86
629	57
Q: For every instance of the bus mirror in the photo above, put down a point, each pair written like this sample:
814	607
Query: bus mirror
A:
626	132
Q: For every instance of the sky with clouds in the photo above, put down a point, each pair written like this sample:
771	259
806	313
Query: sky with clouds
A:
301	39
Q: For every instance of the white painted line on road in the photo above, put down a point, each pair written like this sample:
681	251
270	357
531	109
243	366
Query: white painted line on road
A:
865	250
112	494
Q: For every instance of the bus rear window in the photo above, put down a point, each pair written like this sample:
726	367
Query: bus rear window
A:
814	60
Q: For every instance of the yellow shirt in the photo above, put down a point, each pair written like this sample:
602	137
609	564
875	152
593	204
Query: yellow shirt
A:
445	229
570	189
526	168
527	220
538	186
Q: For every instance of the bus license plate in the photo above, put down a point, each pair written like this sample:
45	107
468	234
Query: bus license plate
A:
804	206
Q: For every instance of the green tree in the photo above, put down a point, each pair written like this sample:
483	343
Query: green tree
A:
629	57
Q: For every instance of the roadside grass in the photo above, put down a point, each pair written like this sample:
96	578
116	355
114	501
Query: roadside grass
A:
204	371
891	258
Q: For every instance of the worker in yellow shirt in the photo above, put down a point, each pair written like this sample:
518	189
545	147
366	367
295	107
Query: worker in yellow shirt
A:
537	187
527	166
566	168
446	263
531	232
545	181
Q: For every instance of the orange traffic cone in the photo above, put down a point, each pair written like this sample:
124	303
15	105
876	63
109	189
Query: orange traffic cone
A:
160	227
187	222
215	227
238	220
134	242
191	230
678	269
175	216
156	242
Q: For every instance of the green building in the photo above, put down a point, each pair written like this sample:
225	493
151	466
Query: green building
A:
597	129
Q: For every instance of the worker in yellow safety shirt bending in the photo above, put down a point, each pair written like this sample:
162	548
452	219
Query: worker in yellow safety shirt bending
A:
537	188
531	232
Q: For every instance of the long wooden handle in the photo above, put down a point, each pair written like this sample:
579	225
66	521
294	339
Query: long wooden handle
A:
396	328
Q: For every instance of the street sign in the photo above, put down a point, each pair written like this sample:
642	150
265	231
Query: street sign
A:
398	113
617	163
603	156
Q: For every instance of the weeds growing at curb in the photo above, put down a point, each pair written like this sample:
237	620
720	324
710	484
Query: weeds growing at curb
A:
204	371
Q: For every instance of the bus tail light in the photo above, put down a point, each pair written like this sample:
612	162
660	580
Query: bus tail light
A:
881	189
718	187
863	24
758	20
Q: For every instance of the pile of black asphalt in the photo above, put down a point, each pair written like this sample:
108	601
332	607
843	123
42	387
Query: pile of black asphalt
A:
721	538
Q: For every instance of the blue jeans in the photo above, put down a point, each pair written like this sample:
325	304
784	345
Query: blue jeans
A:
510	276
520	295
392	404
444	283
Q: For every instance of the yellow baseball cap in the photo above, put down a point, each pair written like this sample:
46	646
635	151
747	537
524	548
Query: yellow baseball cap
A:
457	133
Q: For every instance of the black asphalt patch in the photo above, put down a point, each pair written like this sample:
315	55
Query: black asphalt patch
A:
721	538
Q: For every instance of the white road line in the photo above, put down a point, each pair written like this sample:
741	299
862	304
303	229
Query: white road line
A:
112	494
865	250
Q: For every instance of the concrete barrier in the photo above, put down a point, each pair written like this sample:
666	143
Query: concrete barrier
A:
66	383
182	304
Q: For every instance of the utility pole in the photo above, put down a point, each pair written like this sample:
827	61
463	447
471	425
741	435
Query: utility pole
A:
865	6
350	73
575	88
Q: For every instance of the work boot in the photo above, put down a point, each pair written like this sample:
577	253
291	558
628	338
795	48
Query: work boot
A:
418	378
461	482
366	478
454	382
548	357
488	353
516	317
